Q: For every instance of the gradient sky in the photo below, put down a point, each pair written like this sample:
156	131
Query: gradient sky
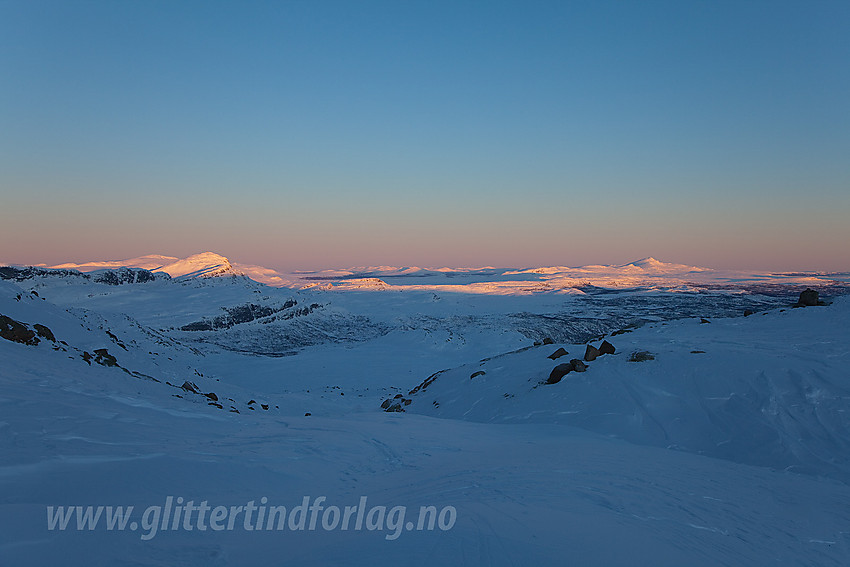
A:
311	134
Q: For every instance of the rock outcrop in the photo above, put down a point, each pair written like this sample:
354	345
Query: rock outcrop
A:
606	348
558	354
590	353
809	298
18	332
559	372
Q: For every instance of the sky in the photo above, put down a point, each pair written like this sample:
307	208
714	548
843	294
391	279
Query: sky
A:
316	134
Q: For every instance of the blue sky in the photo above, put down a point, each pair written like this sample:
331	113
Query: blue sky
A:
317	134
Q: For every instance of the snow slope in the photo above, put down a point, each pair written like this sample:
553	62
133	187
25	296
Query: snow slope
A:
733	456
770	389
525	494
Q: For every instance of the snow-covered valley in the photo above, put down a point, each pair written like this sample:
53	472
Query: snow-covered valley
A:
707	438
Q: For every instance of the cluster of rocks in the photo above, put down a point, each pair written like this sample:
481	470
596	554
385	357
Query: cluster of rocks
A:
591	353
31	335
808	298
214	400
251	404
101	356
192	388
237	315
428	381
395	404
21	274
124	276
19	332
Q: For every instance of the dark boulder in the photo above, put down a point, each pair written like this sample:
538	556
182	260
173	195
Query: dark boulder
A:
606	348
385	404
548	341
590	353
559	372
478	373
808	298
190	387
212	396
558	354
578	365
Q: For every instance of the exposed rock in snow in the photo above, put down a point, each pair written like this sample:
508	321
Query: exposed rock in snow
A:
15	331
808	298
606	348
559	372
558	353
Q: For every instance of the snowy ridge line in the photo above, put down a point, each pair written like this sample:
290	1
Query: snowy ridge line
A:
117	276
647	272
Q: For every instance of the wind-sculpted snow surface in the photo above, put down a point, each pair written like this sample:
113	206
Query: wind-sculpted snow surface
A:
706	438
771	389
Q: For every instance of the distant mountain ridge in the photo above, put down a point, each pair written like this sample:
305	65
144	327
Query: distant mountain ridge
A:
202	265
211	264
205	264
645	273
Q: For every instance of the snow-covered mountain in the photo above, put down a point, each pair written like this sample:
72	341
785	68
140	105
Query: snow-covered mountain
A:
205	264
716	433
153	262
647	272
